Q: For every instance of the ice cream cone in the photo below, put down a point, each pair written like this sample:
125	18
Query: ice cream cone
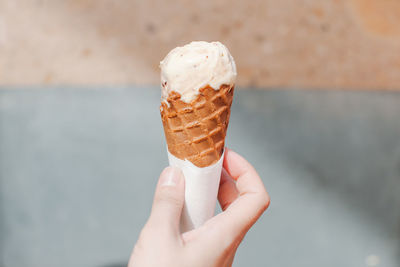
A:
196	131
197	92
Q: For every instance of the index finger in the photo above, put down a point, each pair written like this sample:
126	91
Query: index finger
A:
253	199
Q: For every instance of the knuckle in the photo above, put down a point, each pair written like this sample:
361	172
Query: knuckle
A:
264	201
145	234
166	195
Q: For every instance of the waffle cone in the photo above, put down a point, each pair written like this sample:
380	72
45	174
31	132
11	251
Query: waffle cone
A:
196	131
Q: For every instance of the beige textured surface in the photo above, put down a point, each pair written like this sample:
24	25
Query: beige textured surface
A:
285	43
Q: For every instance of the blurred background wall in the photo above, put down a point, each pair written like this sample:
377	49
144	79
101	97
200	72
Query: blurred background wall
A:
351	44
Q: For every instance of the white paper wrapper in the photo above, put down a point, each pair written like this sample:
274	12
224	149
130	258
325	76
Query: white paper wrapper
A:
201	190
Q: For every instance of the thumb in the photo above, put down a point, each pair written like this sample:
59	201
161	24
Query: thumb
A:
168	199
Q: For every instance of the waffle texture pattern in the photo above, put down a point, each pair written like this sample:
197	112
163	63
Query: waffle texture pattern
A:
196	131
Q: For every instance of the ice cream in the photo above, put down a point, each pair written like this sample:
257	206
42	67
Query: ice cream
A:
189	68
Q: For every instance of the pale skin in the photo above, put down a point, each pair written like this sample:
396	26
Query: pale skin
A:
243	199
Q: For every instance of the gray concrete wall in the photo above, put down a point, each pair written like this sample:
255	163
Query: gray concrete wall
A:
78	169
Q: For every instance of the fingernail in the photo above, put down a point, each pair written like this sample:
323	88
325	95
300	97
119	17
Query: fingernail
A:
170	176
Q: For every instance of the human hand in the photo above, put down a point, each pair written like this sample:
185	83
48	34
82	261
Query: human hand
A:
243	199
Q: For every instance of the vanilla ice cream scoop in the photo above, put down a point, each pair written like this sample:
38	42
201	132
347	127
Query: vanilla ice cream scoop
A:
189	68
